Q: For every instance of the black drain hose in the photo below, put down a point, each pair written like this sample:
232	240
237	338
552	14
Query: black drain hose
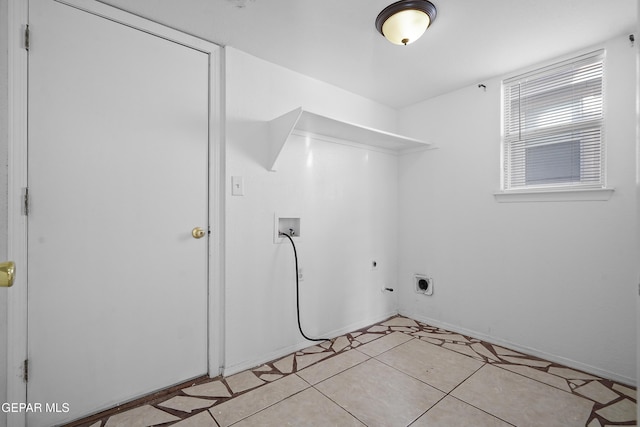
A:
295	255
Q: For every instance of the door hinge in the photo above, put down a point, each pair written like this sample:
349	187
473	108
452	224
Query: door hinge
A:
27	36
25	370
25	202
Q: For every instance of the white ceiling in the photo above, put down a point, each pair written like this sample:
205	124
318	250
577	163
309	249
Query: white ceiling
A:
336	41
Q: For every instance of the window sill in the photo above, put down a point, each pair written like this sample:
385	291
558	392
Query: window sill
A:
582	195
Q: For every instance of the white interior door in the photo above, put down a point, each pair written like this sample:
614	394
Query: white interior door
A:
118	177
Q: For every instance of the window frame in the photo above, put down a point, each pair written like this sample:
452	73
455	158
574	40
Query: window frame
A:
574	190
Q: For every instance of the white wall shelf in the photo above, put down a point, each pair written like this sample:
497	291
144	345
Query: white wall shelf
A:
303	122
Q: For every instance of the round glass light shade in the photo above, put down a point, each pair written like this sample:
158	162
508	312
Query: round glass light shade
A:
406	26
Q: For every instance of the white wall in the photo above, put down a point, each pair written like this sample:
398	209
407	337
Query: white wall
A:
346	198
3	200
556	278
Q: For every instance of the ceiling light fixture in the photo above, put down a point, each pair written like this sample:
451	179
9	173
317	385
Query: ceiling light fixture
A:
405	21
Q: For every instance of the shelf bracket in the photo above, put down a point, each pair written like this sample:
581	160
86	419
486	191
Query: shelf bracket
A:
279	130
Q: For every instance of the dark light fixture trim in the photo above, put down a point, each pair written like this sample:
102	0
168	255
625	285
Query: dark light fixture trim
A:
424	6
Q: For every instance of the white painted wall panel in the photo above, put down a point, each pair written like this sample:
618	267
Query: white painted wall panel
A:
346	198
558	279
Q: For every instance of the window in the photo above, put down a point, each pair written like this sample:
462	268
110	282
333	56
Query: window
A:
553	126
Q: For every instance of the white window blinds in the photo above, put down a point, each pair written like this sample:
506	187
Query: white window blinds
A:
553	126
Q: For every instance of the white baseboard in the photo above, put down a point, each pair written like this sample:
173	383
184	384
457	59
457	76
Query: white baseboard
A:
281	352
602	373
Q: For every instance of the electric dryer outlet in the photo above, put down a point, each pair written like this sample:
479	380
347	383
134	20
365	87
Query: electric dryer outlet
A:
423	284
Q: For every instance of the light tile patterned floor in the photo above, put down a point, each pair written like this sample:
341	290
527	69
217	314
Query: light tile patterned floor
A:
397	373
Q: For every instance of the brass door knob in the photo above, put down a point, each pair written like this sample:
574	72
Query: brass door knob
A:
7	273
198	233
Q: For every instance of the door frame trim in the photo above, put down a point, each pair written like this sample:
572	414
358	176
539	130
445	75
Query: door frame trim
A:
18	14
18	17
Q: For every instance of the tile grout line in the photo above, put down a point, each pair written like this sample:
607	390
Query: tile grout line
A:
480	409
446	394
433	335
470	404
430	408
518	355
269	406
333	401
